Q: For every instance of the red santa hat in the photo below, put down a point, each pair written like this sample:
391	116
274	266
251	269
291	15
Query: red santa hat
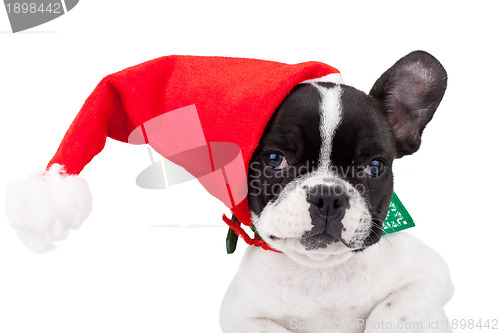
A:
211	108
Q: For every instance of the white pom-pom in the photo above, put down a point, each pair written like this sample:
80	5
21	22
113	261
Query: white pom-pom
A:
45	206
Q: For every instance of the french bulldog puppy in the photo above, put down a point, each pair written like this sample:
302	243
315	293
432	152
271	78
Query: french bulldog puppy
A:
320	183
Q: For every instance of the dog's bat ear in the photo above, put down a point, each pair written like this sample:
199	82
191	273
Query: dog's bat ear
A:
411	91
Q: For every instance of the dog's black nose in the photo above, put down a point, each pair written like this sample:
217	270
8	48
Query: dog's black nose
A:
328	201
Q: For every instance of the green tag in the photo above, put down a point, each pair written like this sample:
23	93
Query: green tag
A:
397	218
231	241
232	238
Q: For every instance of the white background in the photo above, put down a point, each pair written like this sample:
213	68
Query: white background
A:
120	273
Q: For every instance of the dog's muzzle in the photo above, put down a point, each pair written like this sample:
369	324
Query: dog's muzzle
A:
328	205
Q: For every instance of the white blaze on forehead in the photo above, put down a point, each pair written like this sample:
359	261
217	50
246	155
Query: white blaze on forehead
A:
330	119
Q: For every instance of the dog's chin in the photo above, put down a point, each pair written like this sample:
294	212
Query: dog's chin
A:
331	254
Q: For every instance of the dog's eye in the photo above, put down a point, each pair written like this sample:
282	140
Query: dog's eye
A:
275	160
375	168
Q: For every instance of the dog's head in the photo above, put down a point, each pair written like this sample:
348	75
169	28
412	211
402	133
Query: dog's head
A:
321	180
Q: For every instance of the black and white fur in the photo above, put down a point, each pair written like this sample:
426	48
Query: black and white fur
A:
320	183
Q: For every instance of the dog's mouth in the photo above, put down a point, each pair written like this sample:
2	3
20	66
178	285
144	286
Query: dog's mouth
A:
318	250
321	240
318	241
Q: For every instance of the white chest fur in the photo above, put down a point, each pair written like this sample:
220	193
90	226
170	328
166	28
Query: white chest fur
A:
398	280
